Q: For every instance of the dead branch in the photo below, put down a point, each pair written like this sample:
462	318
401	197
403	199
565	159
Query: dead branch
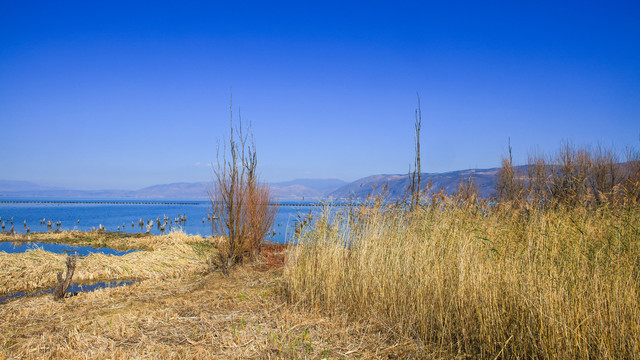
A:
63	285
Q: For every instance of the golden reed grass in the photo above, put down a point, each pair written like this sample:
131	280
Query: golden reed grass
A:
479	280
239	316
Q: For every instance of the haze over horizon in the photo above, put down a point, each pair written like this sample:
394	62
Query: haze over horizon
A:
122	96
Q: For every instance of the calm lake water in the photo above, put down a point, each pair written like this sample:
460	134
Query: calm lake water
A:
85	215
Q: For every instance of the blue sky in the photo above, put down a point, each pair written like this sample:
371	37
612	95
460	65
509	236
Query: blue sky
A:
108	94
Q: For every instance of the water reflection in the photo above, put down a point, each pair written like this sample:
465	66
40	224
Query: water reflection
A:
73	289
21	247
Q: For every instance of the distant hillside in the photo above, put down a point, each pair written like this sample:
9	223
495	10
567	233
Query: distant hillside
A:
396	185
182	190
299	189
26	189
13	185
308	189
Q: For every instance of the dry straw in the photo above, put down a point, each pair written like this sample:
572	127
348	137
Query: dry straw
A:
168	256
513	281
240	316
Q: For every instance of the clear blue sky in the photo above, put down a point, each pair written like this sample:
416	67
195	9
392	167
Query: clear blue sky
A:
108	94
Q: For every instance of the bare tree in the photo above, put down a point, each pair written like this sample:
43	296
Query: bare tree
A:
241	208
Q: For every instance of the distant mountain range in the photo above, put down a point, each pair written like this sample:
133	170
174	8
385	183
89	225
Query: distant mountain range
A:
395	186
299	189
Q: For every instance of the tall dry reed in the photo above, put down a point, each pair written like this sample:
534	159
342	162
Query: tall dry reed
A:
469	278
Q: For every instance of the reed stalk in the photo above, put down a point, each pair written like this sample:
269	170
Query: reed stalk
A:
479	280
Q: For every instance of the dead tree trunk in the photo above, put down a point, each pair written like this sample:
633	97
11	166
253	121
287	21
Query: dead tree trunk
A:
416	176
63	285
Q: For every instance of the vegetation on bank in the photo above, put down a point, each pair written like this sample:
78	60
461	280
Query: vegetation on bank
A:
550	271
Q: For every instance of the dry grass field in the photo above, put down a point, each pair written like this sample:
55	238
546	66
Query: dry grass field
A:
185	314
469	279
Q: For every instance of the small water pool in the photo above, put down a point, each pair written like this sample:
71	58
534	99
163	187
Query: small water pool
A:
20	247
73	288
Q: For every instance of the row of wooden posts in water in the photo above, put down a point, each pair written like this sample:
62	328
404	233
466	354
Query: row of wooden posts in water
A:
161	224
11	229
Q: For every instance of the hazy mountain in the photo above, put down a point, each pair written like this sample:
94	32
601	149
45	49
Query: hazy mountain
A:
321	185
53	193
396	185
305	188
393	185
308	189
288	190
182	191
13	185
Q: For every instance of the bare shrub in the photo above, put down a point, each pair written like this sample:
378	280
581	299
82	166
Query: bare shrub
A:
241	210
259	216
509	188
604	175
585	176
467	192
538	175
569	176
631	182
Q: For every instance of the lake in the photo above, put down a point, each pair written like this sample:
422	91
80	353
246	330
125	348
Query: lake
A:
86	215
